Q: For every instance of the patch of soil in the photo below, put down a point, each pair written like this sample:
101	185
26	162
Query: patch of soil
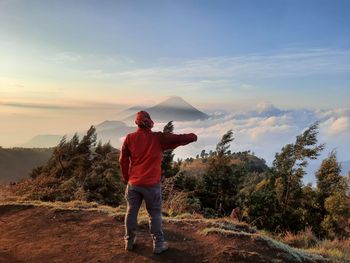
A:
32	234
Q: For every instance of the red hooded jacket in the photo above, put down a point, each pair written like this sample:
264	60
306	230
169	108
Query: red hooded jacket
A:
141	154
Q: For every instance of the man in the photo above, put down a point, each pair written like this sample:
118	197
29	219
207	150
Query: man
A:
140	161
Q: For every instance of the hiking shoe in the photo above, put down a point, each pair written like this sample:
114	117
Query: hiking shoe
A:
129	244
161	248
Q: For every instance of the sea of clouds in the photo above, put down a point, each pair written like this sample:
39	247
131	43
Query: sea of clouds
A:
266	130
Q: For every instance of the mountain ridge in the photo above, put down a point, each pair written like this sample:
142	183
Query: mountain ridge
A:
173	109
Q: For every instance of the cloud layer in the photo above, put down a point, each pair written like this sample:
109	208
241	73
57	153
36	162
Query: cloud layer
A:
266	134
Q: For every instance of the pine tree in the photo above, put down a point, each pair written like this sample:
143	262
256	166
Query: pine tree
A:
73	143
220	182
84	150
333	198
168	170
88	141
59	154
329	180
77	171
222	148
289	168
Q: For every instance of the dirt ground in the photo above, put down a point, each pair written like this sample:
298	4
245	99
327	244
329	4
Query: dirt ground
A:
34	234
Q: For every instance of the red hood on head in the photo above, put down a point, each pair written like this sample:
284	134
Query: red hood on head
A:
144	119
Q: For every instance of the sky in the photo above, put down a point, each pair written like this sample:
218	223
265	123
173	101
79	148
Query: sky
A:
65	65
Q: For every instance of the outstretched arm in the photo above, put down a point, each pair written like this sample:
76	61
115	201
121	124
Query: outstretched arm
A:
171	141
124	161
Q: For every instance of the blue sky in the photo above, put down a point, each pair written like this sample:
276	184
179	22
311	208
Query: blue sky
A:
152	29
59	55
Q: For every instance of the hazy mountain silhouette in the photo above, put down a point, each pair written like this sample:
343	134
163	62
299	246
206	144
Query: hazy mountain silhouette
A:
43	141
264	110
108	125
267	110
112	131
173	108
106	131
129	111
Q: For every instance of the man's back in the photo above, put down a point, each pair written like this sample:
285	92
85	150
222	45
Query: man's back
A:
141	154
145	157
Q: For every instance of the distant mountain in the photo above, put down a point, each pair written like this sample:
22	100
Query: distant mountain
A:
267	110
107	125
173	108
262	110
106	131
17	163
43	141
112	131
305	117
129	111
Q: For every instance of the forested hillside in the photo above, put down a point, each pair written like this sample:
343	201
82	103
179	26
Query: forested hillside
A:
17	163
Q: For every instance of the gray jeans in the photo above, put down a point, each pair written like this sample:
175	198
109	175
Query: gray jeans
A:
153	199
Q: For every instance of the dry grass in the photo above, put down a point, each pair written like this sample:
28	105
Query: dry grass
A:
293	253
117	212
337	250
228	228
189	216
229	224
73	205
304	239
196	168
297	254
225	232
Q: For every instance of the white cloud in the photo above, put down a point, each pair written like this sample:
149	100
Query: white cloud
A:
65	57
233	79
223	71
338	112
339	125
257	133
269	121
267	135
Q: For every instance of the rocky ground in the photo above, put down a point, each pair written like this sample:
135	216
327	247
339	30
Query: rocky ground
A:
34	233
